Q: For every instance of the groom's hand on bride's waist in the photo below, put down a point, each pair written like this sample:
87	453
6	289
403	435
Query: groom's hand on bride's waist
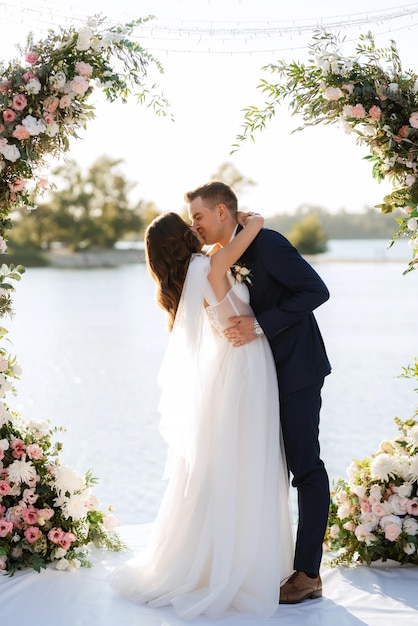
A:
241	330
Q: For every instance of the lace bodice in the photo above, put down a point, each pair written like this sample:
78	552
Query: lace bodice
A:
236	302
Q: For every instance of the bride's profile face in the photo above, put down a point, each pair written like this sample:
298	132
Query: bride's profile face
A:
198	236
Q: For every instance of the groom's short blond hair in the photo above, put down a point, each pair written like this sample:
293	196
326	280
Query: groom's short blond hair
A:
215	193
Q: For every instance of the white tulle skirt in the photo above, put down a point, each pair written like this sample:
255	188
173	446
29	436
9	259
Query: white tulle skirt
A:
222	539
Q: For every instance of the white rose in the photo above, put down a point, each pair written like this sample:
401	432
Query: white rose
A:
393	87
409	180
412	223
52	129
58	80
62	565
333	93
359	490
84	39
4	444
10	152
33	125
59	553
334	531
33	86
410	526
405	490
409	548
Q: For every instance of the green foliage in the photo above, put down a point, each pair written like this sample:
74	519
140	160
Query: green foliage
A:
308	236
86	209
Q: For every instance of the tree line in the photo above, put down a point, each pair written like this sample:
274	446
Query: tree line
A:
94	209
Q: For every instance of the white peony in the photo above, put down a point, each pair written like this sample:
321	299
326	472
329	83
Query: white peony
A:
397	505
370	520
33	86
390	519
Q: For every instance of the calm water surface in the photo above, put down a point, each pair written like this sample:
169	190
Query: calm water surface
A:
91	341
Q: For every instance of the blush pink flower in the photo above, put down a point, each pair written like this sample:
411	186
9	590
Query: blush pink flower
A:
6	527
46	514
365	505
79	85
4	488
55	535
5	86
375	112
30	515
65	101
18	447
32	534
348	87
19	102
31	57
412	506
358	111
404	131
84	69
18	185
1	454
9	116
51	103
66	540
27	76
29	496
20	132
48	117
34	451
413	119
2	129
392	531
3	562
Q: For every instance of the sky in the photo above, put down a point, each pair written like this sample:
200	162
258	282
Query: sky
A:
209	78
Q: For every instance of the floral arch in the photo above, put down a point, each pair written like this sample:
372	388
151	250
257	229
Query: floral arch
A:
47	511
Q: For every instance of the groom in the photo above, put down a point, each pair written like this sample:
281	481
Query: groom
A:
285	290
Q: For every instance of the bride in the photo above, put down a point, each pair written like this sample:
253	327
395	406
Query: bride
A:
222	539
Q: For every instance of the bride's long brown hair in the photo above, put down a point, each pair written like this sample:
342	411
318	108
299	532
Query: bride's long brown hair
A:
169	244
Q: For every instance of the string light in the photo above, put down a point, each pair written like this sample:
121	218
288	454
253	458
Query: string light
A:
208	36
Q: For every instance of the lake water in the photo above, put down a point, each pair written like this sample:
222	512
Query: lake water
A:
91	340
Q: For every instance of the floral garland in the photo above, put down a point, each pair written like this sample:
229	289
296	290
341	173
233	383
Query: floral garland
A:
368	94
374	515
47	511
44	100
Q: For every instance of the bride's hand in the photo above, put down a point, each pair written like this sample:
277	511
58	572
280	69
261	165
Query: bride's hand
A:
242	216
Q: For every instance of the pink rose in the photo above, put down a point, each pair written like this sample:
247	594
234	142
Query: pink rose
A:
65	101
19	102
348	87
6	527
32	534
375	112
365	505
55	535
392	531
18	185
379	509
358	111
51	104
407	209
48	117
84	69
413	120
4	488
20	133
46	514
29	496
349	526
66	540
27	76
79	85
9	116
34	451
5	86
18	447
31	57
30	515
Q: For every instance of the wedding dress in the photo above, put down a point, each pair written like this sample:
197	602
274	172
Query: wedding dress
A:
222	539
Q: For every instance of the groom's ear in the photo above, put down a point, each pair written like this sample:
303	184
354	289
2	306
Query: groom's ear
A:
222	211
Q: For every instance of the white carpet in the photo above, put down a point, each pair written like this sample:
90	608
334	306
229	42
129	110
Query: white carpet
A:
382	595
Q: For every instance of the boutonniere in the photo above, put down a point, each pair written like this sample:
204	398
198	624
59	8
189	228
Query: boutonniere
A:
241	273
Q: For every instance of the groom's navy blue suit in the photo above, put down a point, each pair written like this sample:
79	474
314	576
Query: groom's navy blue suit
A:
285	290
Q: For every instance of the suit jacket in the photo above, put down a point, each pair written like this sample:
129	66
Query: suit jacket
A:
285	290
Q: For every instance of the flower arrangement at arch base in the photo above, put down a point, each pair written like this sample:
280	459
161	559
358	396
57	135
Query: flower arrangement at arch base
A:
369	95
374	516
48	514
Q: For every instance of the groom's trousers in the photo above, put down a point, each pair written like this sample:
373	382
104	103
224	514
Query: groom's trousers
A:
299	416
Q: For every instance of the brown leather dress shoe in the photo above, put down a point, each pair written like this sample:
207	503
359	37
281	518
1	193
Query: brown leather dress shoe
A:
300	587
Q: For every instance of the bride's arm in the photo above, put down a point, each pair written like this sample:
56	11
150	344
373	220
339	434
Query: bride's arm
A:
222	260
